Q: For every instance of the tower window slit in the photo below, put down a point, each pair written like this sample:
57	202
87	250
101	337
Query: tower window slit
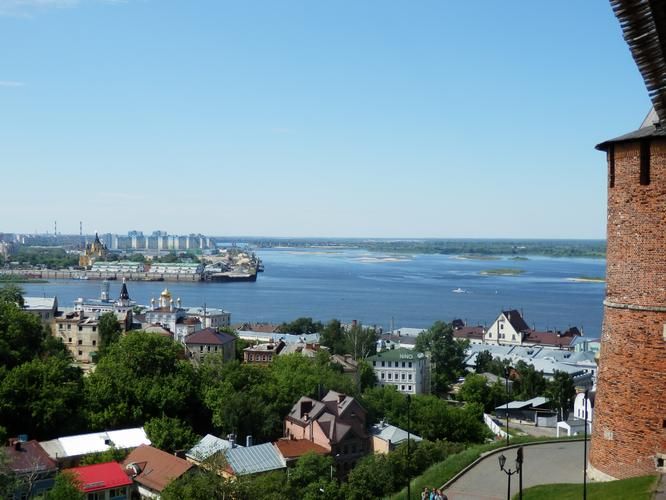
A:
645	162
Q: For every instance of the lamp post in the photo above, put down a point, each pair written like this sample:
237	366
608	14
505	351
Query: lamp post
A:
507	404
585	449
509	472
409	424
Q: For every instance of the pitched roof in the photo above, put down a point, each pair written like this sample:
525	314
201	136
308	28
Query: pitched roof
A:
29	457
207	447
209	336
516	320
253	459
295	448
124	295
99	477
157	468
395	435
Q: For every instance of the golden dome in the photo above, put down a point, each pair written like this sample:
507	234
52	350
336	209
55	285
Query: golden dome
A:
165	293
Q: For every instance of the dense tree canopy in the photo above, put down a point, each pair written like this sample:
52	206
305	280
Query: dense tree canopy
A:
447	355
21	335
144	375
109	331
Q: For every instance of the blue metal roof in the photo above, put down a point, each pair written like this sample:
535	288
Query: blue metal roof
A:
254	459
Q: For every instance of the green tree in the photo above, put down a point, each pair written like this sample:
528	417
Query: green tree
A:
42	398
170	434
447	355
200	485
366	375
66	487
110	455
109	331
141	376
561	391
371	478
475	390
333	337
309	469
13	294
302	326
529	383
360	341
21	335
483	361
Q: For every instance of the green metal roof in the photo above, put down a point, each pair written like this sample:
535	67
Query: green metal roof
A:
400	354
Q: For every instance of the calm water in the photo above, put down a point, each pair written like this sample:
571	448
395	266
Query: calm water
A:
353	284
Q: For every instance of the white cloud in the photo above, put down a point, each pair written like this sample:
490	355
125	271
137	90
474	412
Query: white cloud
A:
11	83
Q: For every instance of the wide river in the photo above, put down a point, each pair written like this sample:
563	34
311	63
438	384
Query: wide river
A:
411	291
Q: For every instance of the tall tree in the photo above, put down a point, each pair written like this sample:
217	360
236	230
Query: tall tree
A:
109	331
447	355
141	376
333	337
12	293
66	487
42	398
483	361
21	335
530	382
170	434
561	391
360	341
301	326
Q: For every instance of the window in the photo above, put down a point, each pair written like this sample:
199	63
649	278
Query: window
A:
80	353
403	364
208	349
80	342
94	328
513	337
201	348
402	387
382	375
403	376
409	387
61	326
94	343
410	364
80	328
69	327
70	340
501	326
389	376
374	363
382	363
410	376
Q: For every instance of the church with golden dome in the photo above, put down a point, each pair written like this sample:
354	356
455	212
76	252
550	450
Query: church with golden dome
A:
93	251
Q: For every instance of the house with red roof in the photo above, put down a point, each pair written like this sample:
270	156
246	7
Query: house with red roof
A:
511	329
107	481
200	344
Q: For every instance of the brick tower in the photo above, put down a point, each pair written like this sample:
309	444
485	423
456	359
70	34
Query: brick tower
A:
629	432
629	428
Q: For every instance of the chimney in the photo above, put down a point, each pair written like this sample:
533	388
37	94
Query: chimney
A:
232	439
341	398
248	441
306	406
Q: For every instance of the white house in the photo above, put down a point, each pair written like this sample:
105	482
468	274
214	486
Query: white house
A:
404	368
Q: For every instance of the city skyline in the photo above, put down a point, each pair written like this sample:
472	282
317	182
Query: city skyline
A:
359	120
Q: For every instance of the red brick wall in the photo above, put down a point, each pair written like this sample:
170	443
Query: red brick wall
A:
630	408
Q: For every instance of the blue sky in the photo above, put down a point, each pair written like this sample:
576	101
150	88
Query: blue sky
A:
312	118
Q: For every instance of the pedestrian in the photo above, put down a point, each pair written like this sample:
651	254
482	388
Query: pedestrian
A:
425	494
433	494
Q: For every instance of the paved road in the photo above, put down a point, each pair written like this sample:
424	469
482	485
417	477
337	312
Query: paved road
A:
543	464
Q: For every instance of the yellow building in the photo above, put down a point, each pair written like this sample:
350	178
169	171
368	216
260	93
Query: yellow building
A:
93	251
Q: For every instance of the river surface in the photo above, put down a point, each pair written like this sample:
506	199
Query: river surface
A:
411	291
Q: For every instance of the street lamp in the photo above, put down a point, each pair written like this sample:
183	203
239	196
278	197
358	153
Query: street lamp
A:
409	424
509	472
506	379
585	449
